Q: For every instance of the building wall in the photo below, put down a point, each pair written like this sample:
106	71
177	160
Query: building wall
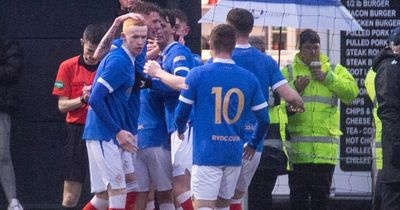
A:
49	32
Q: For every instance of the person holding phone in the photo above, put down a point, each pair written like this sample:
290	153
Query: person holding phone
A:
314	134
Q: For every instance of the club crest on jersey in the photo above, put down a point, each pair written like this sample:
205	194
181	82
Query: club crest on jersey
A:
59	85
179	58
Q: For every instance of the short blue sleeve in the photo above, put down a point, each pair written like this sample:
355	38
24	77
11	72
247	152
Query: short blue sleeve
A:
180	63
276	77
116	73
258	100
188	95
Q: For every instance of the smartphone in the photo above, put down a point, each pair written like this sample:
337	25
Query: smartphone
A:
315	63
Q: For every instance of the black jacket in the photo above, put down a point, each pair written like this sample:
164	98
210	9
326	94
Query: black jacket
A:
10	70
387	85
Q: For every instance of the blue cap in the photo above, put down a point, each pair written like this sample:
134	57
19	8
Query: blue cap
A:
394	37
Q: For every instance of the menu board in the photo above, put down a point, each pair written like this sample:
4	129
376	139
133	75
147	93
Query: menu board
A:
358	48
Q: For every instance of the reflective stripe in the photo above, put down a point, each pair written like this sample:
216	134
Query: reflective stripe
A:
333	101
314	139
378	144
276	143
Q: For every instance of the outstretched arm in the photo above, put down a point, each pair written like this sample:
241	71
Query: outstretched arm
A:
291	96
153	69
105	43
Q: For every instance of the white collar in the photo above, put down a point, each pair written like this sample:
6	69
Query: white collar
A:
243	46
223	60
129	54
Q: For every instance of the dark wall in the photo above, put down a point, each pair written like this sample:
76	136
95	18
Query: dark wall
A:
49	32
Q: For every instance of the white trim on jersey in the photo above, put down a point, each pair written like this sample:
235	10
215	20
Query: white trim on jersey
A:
105	83
129	54
243	46
223	60
260	106
186	100
278	84
181	68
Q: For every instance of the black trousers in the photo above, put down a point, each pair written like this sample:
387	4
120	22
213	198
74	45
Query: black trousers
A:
310	186
390	196
377	196
260	190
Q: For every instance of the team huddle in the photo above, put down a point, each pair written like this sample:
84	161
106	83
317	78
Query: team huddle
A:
159	121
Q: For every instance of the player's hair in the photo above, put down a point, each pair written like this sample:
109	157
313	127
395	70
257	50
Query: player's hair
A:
168	16
93	33
145	8
132	22
242	20
310	36
223	38
179	14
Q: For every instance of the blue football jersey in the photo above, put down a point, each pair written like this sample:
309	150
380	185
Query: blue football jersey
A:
223	95
116	73
266	71
177	59
197	60
152	128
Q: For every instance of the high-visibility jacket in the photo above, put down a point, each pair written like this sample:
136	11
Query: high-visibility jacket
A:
370	87
314	134
278	119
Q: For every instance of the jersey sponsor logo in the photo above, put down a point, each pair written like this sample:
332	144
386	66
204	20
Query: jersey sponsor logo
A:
142	84
179	58
59	84
249	127
225	138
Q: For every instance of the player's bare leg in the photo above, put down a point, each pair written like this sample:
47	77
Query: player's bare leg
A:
166	201
222	204
72	193
181	190
98	202
141	200
150	202
204	204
